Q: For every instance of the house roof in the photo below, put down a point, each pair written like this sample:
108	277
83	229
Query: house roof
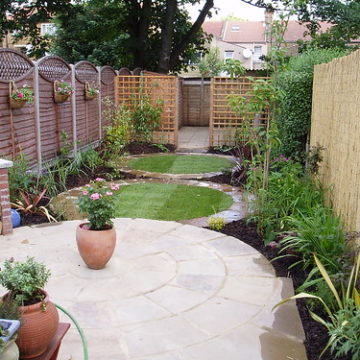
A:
254	31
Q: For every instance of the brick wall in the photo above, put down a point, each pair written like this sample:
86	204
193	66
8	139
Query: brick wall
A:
5	209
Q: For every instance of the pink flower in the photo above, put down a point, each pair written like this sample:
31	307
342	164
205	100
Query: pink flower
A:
273	244
85	193
95	196
88	185
99	179
20	95
115	187
109	193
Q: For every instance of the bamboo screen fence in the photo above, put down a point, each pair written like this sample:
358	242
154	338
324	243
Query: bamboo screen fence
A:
336	127
132	89
223	121
35	129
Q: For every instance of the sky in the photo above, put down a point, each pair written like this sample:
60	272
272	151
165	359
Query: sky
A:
231	7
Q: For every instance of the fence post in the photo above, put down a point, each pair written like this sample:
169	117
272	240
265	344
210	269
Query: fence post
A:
73	107
37	116
99	101
5	208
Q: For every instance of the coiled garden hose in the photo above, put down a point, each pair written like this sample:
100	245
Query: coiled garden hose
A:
79	329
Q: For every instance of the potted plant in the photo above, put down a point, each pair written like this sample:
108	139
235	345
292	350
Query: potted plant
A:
91	91
62	91
18	98
96	239
25	282
9	325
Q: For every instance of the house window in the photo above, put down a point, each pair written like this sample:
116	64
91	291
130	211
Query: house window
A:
257	53
235	28
48	29
228	54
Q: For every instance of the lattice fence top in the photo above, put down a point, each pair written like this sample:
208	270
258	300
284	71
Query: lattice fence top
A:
107	75
14	65
85	71
124	71
53	68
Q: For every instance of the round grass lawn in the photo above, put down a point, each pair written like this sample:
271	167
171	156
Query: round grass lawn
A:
180	164
169	201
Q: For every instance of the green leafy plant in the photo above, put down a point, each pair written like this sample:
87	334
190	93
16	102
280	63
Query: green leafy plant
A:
146	117
118	133
234	68
9	309
216	223
318	232
91	90
24	280
98	202
211	65
20	178
24	94
313	159
347	300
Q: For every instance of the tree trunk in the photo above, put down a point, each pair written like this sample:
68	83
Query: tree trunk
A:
167	37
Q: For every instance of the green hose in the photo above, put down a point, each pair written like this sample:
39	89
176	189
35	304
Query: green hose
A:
83	340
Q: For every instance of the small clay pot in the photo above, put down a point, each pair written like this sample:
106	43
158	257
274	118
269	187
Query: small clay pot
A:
95	246
39	323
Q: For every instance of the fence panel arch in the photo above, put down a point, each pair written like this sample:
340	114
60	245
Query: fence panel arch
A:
17	125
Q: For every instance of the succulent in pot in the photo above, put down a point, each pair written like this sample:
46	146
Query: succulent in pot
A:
25	282
96	239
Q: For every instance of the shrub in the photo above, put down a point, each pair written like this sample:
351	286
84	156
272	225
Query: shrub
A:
216	223
294	116
24	280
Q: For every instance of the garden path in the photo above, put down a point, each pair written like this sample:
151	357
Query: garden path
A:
193	138
170	292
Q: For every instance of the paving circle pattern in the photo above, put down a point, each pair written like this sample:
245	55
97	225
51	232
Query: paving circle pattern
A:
171	291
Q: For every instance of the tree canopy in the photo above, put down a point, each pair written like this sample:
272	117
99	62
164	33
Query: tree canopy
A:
23	16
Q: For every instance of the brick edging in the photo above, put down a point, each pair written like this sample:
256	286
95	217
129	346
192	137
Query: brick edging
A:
5	208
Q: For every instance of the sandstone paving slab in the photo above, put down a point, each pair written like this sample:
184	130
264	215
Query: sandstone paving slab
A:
171	291
249	265
229	246
177	300
219	315
208	284
247	342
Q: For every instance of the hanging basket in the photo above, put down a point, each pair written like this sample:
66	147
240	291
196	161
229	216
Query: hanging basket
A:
15	103
58	97
88	94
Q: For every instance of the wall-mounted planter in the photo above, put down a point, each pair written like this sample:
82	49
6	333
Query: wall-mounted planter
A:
58	96
17	104
90	92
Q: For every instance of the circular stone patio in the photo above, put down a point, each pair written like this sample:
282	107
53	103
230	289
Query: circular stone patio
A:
170	292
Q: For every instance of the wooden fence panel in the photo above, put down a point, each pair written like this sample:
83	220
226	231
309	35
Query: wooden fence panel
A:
17	125
108	76
223	121
87	120
159	87
54	117
335	126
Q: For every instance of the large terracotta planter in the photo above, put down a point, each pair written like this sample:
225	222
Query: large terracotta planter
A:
39	323
95	246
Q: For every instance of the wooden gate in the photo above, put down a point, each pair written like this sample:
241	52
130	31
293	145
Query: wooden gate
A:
195	102
128	89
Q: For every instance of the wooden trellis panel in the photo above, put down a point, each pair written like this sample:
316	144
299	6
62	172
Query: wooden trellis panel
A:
224	121
157	87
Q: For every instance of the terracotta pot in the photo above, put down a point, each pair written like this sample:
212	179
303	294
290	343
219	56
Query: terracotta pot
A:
60	98
39	324
17	103
95	246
